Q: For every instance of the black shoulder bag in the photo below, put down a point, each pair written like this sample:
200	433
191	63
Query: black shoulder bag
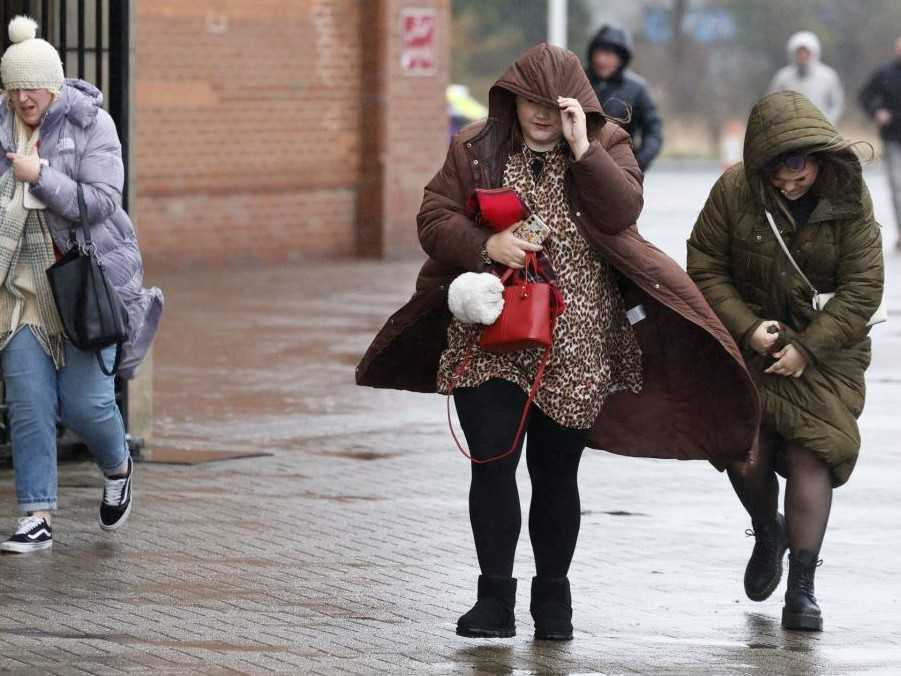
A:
91	311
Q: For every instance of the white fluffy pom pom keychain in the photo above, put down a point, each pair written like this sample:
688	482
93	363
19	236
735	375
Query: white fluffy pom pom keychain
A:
476	298
22	28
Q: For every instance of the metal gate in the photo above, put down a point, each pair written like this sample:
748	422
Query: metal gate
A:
93	40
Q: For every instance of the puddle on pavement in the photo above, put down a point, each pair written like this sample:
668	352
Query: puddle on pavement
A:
886	380
362	455
707	642
614	512
798	648
342	498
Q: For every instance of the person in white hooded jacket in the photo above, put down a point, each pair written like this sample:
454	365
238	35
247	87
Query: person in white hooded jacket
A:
807	75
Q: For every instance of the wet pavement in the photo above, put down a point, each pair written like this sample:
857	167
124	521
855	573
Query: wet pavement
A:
348	549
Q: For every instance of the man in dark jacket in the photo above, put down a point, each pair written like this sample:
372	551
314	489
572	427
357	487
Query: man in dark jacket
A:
622	93
881	99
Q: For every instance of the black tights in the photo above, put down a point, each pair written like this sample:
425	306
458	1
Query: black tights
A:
808	490
489	415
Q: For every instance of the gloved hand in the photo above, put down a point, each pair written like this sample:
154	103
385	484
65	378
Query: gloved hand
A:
476	298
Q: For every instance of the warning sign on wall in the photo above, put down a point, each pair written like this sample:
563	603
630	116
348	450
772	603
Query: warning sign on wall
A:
419	29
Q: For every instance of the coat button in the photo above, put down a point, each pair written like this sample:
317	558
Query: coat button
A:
657	285
475	163
579	214
759	238
468	145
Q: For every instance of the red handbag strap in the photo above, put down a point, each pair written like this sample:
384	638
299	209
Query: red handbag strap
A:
521	276
458	373
558	305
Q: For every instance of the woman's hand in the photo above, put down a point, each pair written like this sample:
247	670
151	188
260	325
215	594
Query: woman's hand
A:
27	168
762	340
507	249
575	128
790	362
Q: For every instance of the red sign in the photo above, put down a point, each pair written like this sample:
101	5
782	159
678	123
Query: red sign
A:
418	26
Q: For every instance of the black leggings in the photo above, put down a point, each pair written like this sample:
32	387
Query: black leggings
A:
489	415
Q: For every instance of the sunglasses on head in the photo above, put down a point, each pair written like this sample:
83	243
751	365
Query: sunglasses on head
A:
792	161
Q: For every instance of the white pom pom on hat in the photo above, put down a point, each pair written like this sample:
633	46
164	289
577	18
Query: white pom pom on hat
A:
30	62
22	28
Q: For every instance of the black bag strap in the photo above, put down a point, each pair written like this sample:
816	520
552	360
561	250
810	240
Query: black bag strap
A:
83	215
81	223
116	361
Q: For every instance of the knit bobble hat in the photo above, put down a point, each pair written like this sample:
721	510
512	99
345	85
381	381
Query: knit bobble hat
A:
29	62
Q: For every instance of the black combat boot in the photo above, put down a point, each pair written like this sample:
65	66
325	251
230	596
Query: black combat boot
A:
764	570
552	609
801	610
492	615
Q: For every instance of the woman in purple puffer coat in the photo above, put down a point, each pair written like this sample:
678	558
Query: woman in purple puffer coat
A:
56	137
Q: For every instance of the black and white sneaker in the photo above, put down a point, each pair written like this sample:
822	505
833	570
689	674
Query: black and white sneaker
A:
33	534
116	504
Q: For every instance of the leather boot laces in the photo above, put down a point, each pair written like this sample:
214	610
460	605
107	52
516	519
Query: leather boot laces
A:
766	538
805	578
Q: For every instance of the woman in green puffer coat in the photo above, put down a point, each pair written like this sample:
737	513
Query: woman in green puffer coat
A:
808	365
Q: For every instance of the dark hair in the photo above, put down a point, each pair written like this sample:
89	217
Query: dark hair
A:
841	166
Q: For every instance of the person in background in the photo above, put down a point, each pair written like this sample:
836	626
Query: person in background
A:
622	93
807	75
881	99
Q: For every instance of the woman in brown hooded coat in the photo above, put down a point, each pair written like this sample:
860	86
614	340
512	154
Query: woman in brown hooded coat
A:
629	385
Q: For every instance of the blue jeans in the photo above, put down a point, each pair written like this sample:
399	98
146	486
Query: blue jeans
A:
37	395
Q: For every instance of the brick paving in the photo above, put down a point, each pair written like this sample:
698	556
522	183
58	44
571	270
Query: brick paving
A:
348	550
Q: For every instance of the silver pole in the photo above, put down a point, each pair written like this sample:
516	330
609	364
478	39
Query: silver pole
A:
556	22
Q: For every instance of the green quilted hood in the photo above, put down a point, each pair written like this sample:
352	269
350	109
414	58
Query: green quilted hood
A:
787	121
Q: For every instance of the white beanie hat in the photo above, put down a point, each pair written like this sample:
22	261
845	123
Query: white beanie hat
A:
29	62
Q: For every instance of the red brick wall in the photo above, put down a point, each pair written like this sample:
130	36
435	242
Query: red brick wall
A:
413	127
248	129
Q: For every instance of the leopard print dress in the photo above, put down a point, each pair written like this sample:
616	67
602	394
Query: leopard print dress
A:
595	352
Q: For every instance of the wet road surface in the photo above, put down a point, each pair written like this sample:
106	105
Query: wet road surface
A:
349	551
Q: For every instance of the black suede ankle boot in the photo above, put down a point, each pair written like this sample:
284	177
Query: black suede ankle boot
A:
552	609
801	610
764	569
492	615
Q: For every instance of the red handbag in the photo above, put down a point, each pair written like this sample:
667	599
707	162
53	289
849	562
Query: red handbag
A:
497	208
530	313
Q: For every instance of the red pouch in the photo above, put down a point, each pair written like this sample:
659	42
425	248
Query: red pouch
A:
497	208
